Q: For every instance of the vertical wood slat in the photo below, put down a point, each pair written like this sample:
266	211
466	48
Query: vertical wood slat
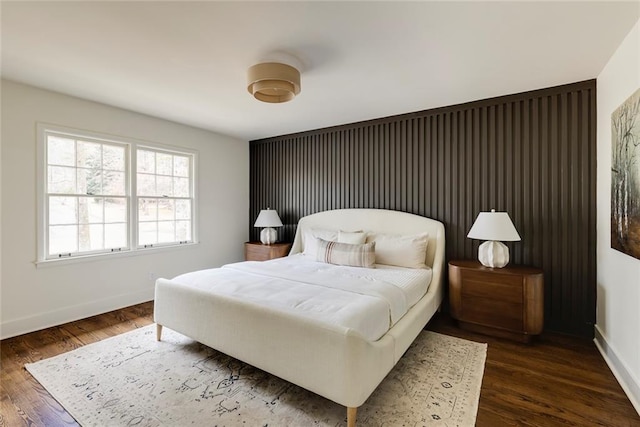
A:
531	154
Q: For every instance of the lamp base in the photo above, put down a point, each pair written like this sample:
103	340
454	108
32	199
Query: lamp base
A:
268	236
493	254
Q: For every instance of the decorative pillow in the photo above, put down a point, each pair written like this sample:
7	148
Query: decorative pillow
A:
401	250
310	240
352	237
346	254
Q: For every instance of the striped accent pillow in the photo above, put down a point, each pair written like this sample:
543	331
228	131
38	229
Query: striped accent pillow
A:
347	254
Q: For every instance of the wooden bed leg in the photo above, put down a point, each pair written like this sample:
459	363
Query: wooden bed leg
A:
351	417
158	332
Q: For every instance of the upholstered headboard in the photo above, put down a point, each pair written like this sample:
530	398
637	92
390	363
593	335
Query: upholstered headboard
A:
379	221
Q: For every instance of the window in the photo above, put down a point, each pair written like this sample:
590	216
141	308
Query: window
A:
103	196
164	197
87	200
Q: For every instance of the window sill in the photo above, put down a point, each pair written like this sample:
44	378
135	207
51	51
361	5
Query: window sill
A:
108	256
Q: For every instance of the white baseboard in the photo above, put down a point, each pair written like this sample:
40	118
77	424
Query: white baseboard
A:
630	385
25	325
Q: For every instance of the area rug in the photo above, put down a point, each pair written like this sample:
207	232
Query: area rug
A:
133	380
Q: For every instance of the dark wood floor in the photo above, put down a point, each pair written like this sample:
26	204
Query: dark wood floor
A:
559	381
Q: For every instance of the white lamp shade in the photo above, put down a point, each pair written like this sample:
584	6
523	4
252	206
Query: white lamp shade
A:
494	226
268	218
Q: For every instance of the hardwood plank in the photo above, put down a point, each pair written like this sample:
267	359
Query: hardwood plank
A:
557	381
11	414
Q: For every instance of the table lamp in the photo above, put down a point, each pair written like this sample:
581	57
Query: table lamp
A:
494	227
268	218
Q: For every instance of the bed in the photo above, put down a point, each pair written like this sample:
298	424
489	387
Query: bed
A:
305	349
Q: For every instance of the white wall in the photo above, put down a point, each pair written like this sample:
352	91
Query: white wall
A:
37	297
618	308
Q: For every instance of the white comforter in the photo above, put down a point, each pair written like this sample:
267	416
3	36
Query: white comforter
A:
368	301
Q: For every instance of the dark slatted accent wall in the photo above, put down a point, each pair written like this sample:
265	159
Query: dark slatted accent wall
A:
531	154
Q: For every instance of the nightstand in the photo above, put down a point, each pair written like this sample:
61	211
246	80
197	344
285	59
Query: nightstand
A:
256	251
505	302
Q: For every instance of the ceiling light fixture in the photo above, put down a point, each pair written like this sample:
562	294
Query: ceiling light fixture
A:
273	82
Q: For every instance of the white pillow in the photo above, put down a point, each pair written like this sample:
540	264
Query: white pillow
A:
310	240
401	250
352	237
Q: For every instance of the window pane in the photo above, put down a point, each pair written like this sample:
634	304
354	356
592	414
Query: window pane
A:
181	166
165	185
89	181
61	151
113	158
63	210
90	210
164	164
114	183
115	236
148	233
146	161
166	209
63	239
91	237
147	209
183	230
183	209
166	232
181	187
89	155
61	180
146	185
115	210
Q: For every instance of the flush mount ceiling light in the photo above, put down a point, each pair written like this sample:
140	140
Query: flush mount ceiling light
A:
273	82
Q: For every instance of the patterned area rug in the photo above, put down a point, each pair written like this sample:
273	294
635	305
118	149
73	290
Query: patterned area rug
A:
133	380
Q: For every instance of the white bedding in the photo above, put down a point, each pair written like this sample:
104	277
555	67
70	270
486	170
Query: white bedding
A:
368	301
304	348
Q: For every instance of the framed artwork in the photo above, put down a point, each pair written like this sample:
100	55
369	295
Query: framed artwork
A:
625	177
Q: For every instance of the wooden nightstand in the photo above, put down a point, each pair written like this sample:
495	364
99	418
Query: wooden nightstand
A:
256	251
505	302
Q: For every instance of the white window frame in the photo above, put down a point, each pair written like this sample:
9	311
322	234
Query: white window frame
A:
43	130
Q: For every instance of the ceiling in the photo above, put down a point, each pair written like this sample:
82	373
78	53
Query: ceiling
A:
187	61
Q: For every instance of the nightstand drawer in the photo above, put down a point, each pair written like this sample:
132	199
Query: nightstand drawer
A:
500	287
256	251
492	312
